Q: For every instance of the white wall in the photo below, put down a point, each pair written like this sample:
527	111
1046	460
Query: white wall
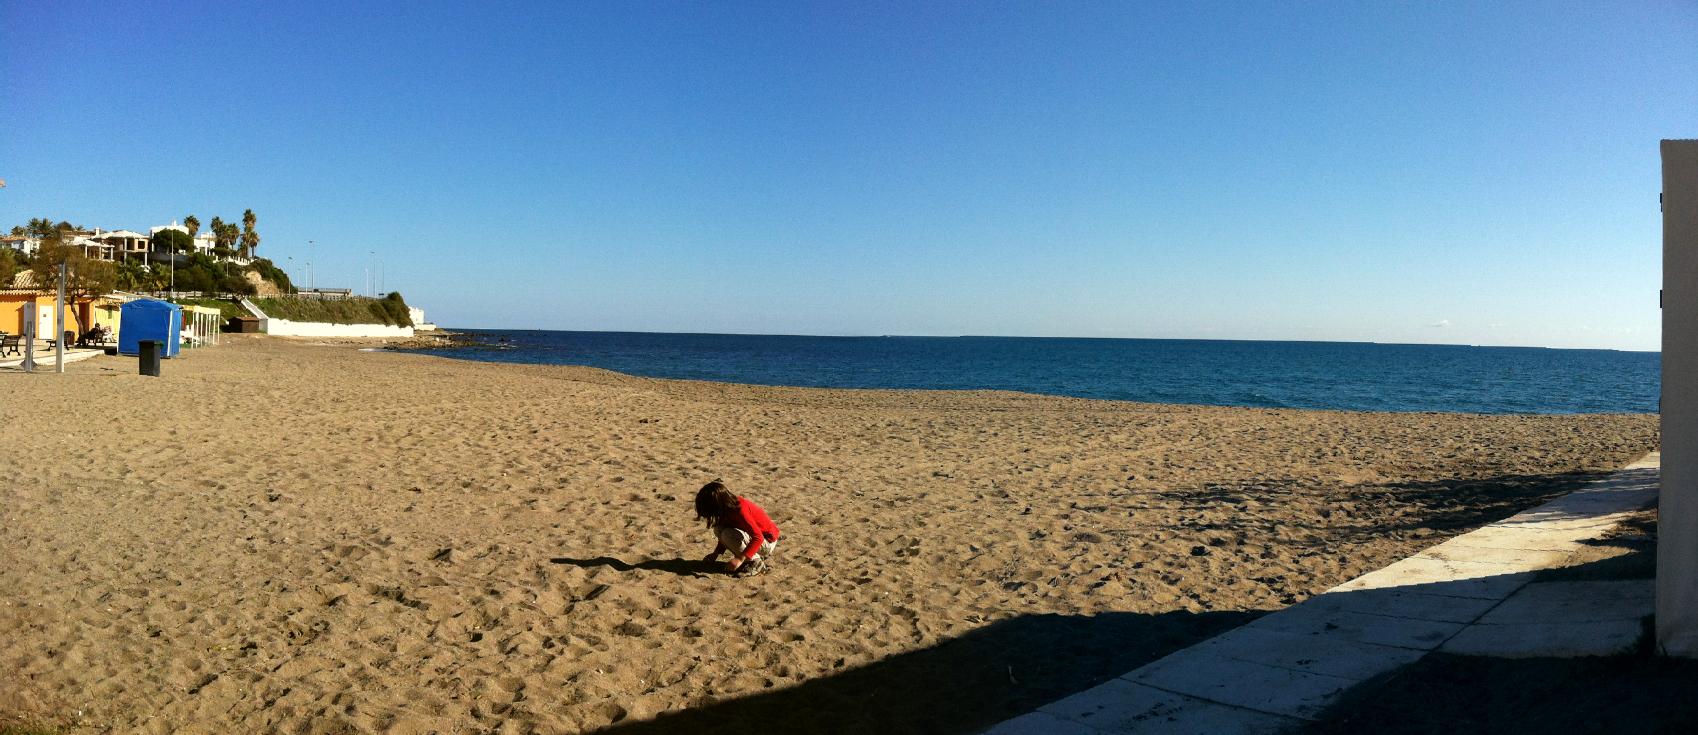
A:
286	328
418	318
1677	520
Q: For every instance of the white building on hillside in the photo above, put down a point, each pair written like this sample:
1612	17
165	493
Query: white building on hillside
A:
124	243
92	248
20	243
204	241
120	244
418	318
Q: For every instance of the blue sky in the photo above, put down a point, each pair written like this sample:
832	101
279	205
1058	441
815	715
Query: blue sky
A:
1480	173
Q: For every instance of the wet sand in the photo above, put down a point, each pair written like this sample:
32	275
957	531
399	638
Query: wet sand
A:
291	537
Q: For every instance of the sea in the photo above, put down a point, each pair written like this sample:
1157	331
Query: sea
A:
1352	376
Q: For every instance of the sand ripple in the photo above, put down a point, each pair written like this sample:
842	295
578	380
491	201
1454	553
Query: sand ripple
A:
280	537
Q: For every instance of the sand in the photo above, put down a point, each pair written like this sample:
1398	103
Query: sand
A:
284	536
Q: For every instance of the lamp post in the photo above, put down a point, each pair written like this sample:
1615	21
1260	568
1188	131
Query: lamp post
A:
311	284
59	325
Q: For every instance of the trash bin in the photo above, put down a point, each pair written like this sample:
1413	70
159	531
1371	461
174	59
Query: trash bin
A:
150	356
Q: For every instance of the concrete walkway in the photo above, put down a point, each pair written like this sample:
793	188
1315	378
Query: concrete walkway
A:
1472	594
44	360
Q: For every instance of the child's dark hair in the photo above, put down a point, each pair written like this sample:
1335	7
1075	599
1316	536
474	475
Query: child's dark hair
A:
714	500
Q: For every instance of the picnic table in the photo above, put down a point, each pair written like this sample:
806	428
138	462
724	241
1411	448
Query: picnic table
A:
13	344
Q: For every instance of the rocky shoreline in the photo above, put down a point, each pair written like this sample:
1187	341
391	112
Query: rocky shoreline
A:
434	339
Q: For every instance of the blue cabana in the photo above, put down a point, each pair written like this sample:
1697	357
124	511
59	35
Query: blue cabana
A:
149	319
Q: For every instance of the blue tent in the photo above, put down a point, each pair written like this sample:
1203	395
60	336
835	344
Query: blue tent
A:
149	319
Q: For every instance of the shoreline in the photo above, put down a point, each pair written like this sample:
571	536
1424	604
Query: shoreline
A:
1061	338
429	352
276	535
1377	378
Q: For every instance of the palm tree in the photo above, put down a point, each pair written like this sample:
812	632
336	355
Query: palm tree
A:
250	239
223	234
193	223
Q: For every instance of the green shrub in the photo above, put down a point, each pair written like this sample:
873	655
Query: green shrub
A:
197	272
270	272
172	241
391	310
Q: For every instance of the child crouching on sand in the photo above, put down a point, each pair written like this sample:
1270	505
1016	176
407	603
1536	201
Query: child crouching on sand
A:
741	526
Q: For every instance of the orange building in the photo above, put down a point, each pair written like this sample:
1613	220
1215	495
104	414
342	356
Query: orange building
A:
81	314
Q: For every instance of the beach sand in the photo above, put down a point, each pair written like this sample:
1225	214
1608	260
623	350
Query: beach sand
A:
292	537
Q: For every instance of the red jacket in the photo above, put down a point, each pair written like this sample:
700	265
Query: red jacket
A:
753	521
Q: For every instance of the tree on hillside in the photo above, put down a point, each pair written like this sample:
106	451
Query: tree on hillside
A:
8	266
250	238
217	228
202	273
270	272
224	234
141	277
193	223
172	241
84	278
43	228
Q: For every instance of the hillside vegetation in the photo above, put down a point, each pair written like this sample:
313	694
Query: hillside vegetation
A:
391	310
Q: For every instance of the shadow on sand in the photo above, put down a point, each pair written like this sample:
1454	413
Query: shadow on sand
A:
967	684
1452	505
963	685
682	567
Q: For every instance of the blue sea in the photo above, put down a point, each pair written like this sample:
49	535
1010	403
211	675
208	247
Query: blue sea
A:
1330	375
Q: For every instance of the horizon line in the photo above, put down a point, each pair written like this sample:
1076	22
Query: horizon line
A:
1027	336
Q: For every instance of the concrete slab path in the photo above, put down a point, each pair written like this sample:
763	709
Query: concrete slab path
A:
44	361
1472	594
1561	619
